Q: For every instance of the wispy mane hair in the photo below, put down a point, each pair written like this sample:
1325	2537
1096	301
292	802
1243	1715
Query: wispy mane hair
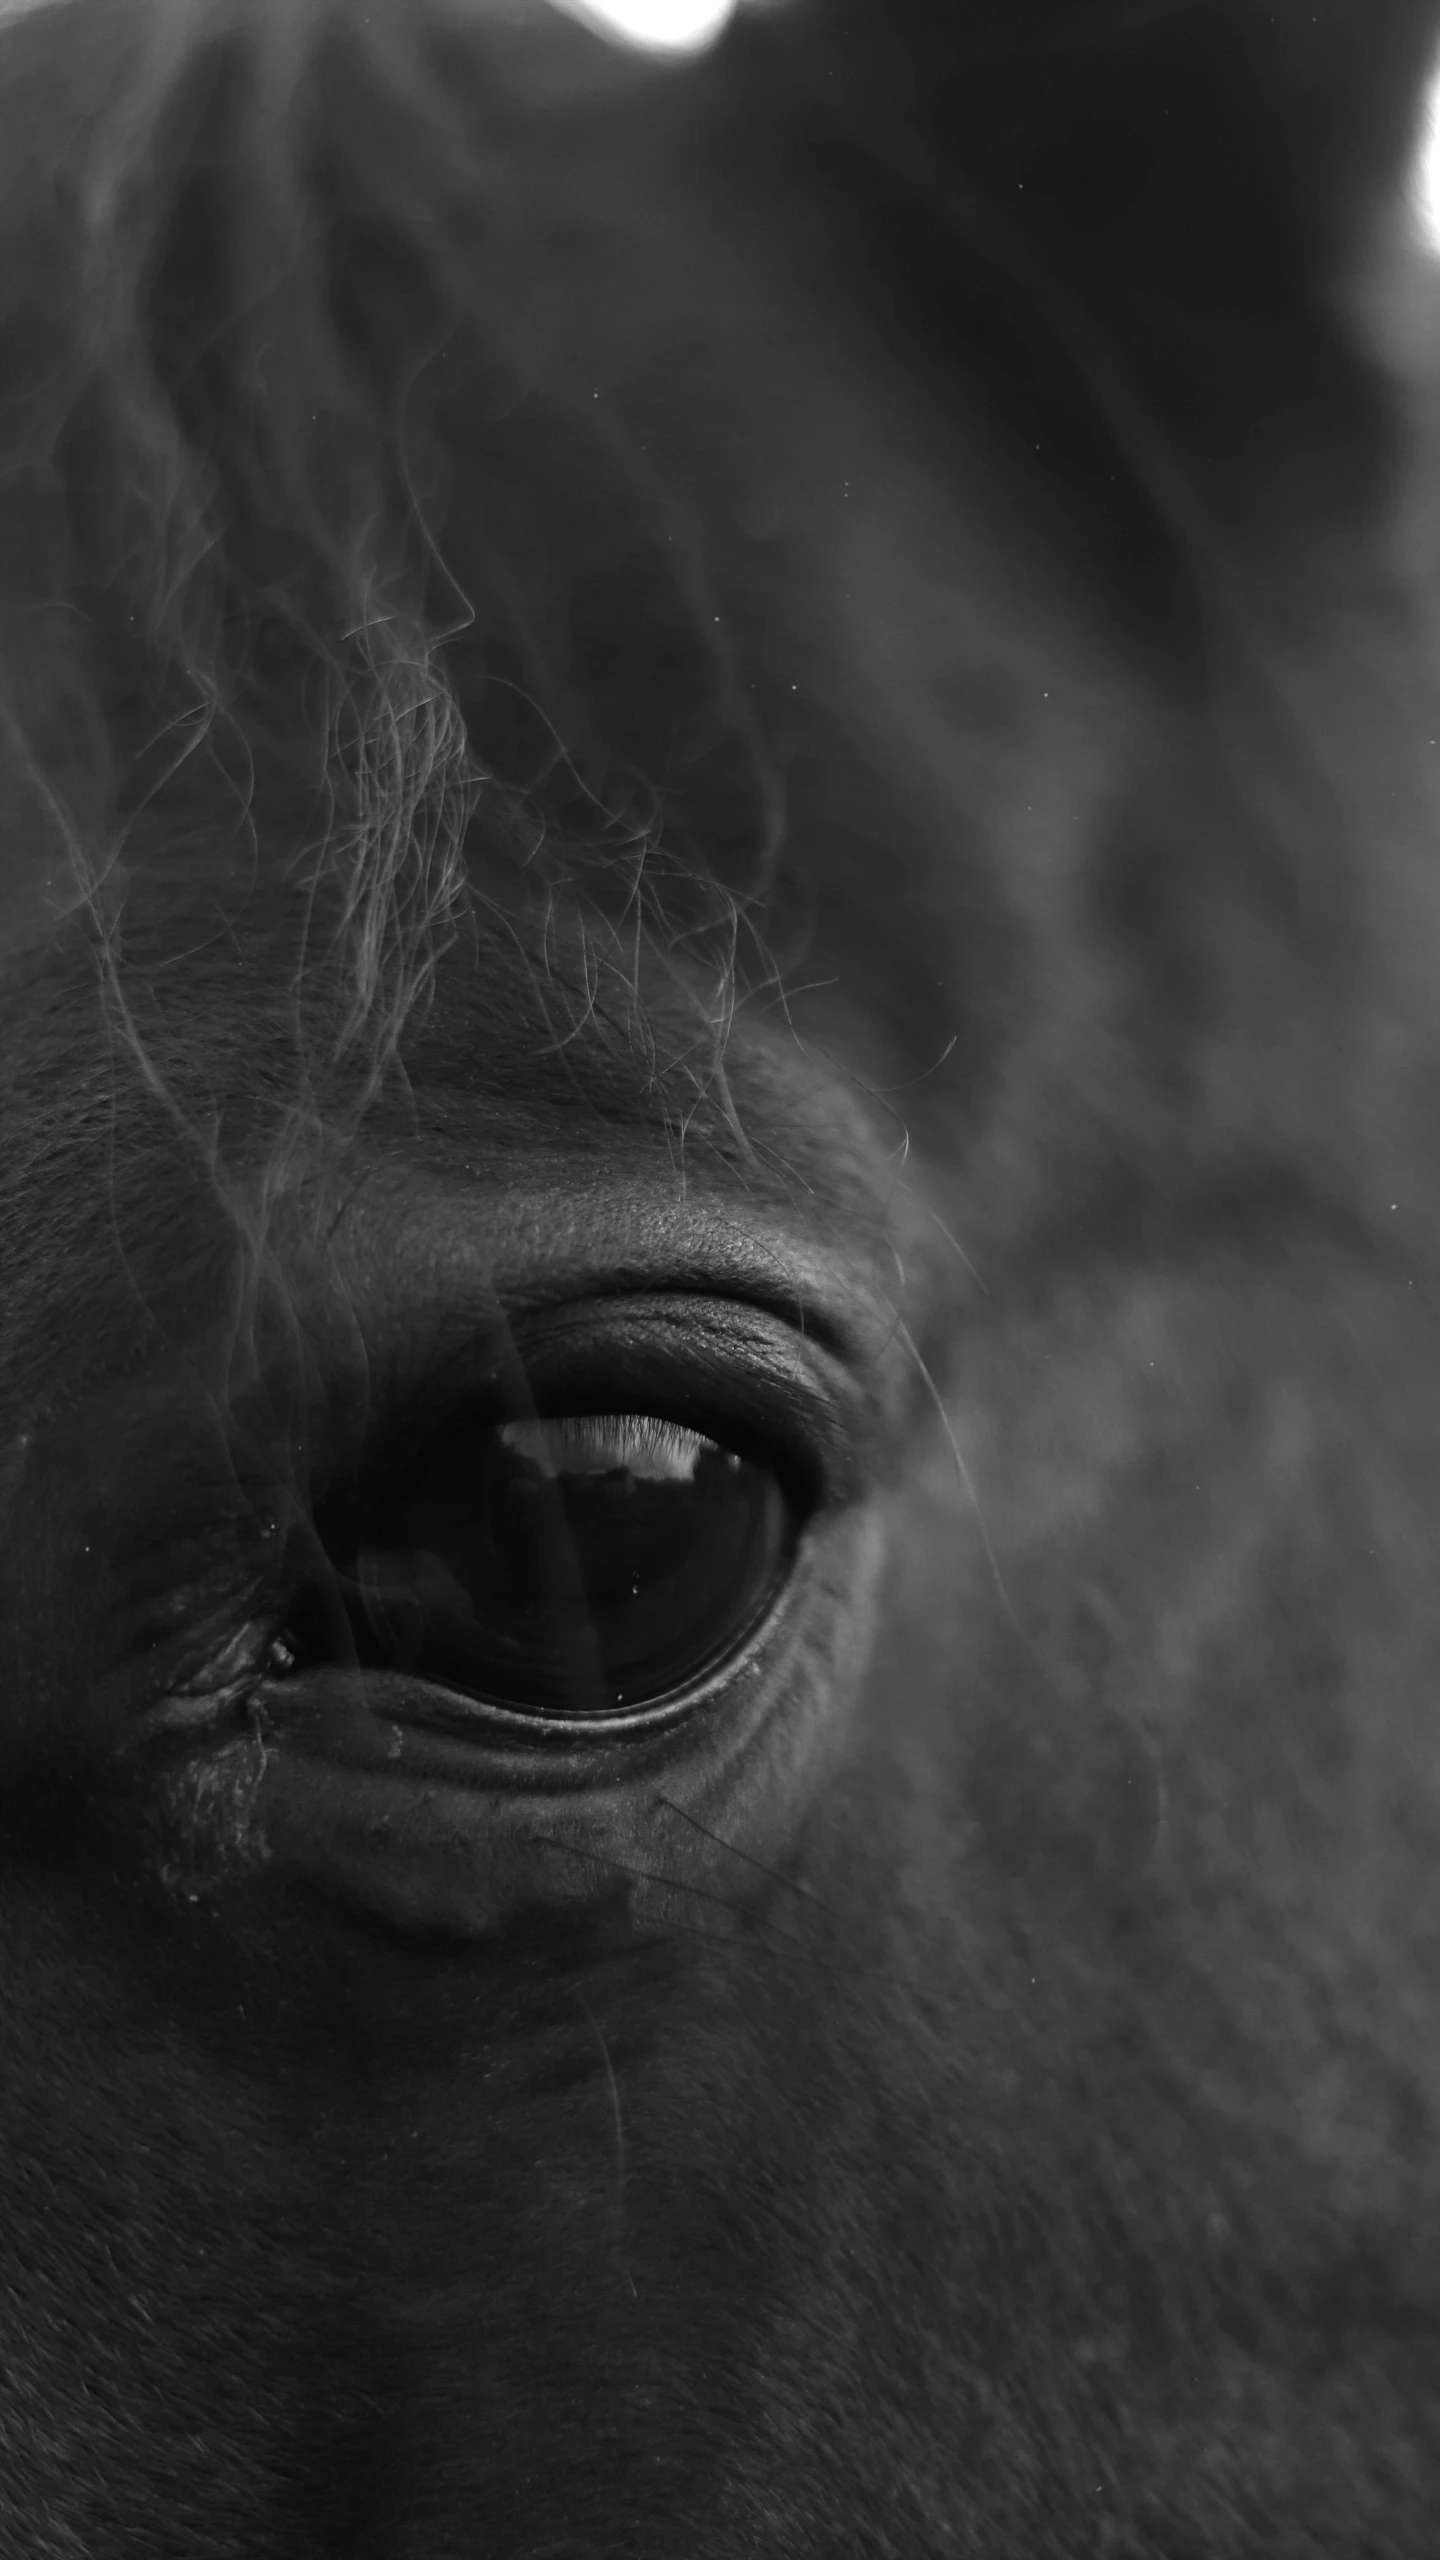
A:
213	566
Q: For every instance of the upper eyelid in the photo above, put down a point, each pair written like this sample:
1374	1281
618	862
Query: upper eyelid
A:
723	1367
498	1252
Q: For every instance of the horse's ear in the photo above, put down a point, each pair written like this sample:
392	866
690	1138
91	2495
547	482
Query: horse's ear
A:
1236	147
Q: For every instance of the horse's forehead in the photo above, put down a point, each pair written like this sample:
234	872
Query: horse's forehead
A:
545	1135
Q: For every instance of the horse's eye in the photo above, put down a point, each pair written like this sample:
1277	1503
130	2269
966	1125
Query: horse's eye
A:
575	1566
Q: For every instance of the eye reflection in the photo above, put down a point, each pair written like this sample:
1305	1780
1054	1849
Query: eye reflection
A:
572	1566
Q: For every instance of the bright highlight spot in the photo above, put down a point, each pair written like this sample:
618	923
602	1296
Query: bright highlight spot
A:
656	26
1425	176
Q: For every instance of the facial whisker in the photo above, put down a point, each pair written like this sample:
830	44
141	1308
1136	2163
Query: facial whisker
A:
792	1884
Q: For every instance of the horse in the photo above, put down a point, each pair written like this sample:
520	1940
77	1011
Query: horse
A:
718	798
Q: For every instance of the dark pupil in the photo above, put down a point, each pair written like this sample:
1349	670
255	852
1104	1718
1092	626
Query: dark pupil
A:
572	1567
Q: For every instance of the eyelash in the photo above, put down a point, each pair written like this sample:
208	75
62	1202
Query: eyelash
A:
724	1372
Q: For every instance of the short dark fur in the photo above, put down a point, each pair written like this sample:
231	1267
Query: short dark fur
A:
846	629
